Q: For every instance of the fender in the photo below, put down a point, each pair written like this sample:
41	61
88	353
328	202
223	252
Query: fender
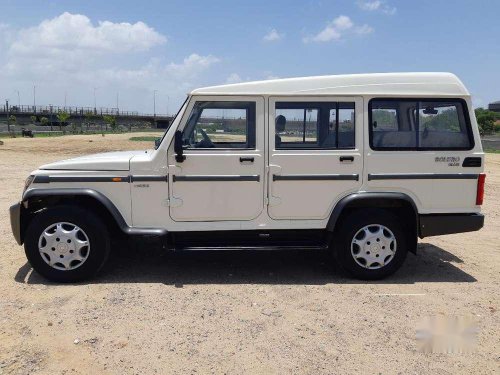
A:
359	197
101	198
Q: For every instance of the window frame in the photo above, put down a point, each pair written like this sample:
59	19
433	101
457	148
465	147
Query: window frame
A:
466	115
320	105
249	105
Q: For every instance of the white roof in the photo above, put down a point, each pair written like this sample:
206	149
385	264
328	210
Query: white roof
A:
383	84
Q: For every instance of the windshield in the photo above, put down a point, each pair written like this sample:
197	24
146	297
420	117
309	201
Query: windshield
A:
173	120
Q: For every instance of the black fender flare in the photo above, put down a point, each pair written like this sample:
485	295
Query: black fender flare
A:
101	198
357	197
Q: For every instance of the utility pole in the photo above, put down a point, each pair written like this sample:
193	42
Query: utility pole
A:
8	117
154	108
65	97
168	102
18	101
95	101
50	117
34	98
117	100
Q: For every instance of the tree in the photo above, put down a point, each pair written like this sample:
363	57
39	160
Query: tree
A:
44	121
111	121
33	119
485	120
12	119
63	117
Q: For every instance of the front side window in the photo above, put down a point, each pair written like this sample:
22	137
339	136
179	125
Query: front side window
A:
311	125
407	124
220	125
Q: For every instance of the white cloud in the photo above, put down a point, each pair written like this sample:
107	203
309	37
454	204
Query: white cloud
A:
70	53
75	32
234	78
377	5
342	23
273	36
336	29
364	29
191	65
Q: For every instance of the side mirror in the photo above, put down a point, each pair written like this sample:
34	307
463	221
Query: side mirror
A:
157	143
179	151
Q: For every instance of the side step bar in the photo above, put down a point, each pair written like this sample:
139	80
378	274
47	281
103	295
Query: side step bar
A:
250	248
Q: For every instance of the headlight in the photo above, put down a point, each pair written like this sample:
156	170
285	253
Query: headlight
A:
28	182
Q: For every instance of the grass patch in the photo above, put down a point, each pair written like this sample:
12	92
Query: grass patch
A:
144	139
46	135
491	151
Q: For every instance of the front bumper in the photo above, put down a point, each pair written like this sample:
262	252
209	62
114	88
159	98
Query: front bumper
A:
15	221
438	224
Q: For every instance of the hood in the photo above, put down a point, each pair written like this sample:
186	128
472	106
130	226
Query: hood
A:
108	161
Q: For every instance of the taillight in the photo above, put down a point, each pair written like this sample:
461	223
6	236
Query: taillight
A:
480	189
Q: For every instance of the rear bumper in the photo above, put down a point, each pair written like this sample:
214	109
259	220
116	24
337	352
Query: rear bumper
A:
15	221
438	224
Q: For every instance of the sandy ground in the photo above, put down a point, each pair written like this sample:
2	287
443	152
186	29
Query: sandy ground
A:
265	313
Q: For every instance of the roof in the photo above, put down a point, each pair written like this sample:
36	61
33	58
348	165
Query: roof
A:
436	84
497	102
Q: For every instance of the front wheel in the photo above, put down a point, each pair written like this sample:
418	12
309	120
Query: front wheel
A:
66	244
370	244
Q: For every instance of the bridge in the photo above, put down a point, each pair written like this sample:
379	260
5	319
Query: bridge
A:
28	114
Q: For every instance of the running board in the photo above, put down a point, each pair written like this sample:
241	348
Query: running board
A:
250	248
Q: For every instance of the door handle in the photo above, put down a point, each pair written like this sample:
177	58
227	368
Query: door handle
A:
248	159
346	158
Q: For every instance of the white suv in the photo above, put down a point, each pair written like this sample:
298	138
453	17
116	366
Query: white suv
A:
360	164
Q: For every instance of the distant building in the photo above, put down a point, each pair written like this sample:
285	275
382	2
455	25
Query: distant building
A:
495	107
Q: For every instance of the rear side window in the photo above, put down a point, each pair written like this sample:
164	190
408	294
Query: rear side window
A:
314	125
409	124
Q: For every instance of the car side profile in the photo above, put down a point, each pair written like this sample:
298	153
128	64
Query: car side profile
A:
362	165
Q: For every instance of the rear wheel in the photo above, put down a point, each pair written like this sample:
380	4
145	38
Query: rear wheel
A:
370	244
66	244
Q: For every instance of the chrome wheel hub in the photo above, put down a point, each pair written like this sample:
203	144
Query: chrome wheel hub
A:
64	246
373	246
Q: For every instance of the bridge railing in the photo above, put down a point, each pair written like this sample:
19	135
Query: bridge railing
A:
75	111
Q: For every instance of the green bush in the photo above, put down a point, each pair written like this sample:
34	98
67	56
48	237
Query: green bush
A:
497	127
485	120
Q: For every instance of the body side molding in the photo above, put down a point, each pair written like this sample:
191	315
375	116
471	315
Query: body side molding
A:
198	178
43	179
422	176
316	177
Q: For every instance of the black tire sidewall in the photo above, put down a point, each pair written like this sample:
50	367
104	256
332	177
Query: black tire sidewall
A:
88	222
353	223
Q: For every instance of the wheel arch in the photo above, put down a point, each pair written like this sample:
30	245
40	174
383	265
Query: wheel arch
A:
37	199
399	203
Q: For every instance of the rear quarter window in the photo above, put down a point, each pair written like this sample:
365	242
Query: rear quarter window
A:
419	124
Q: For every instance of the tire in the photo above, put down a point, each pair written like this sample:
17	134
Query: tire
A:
370	244
81	249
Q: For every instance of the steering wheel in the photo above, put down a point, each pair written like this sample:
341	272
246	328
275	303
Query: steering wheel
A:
206	142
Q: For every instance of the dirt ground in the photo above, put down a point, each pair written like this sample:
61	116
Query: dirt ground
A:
262	313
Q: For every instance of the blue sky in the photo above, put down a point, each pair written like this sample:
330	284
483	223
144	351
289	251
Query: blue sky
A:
131	48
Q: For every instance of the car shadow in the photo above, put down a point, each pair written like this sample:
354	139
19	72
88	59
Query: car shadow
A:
154	265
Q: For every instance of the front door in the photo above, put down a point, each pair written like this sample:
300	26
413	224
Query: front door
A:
315	154
222	177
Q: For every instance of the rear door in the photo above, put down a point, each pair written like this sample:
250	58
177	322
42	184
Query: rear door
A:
315	154
222	176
